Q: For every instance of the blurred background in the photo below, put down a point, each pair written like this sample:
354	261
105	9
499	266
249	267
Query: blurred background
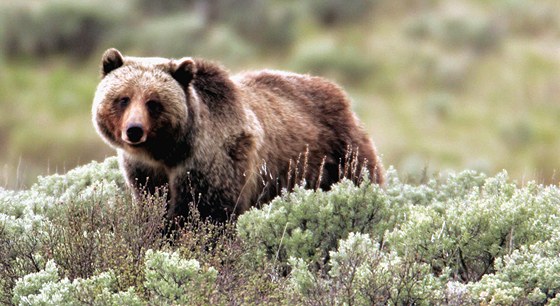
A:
439	84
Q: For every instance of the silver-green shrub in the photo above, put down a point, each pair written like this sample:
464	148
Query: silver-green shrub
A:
172	280
481	239
362	274
308	224
47	288
53	191
457	239
26	216
528	275
468	230
169	280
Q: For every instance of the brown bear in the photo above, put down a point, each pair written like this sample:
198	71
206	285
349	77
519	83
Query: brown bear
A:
225	143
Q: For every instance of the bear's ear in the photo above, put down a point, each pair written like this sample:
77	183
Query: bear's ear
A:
111	60
183	70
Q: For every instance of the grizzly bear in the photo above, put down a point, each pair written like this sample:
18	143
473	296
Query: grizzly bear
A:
225	143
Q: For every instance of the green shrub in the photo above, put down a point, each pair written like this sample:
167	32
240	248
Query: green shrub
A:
87	223
467	231
455	229
47	288
344	63
20	250
96	235
362	274
176	35
481	33
56	27
186	28
241	280
171	279
275	22
52	191
84	221
307	224
334	12
456	239
529	275
186	34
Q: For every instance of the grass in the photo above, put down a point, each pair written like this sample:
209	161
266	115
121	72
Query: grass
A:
444	85
439	85
48	129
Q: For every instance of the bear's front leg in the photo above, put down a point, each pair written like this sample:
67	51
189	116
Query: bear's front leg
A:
192	189
143	178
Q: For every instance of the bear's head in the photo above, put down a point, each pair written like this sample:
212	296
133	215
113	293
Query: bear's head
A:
141	104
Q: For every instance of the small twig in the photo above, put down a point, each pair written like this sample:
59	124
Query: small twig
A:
281	240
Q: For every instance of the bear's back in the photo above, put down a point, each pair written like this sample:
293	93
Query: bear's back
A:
306	113
300	95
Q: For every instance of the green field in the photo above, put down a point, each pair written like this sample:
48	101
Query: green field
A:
460	97
439	85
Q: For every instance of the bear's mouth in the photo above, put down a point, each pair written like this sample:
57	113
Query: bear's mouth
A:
137	145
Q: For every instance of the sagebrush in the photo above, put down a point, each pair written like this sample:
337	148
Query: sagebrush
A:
457	239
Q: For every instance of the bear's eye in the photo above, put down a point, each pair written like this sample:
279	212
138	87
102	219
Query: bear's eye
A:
154	107
123	102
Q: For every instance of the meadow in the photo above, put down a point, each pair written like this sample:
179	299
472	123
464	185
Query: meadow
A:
439	85
460	97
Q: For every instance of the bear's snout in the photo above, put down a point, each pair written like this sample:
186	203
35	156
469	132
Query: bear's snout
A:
135	134
135	123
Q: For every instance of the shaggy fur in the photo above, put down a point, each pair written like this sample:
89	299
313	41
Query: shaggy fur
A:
226	143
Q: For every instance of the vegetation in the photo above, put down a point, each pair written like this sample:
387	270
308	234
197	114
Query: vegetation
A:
439	84
457	239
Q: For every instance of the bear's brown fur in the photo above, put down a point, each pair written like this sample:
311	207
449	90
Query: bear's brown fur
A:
226	143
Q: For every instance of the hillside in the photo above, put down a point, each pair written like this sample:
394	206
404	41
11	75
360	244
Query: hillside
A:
440	85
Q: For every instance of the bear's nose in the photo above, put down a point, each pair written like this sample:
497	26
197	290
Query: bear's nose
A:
134	133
